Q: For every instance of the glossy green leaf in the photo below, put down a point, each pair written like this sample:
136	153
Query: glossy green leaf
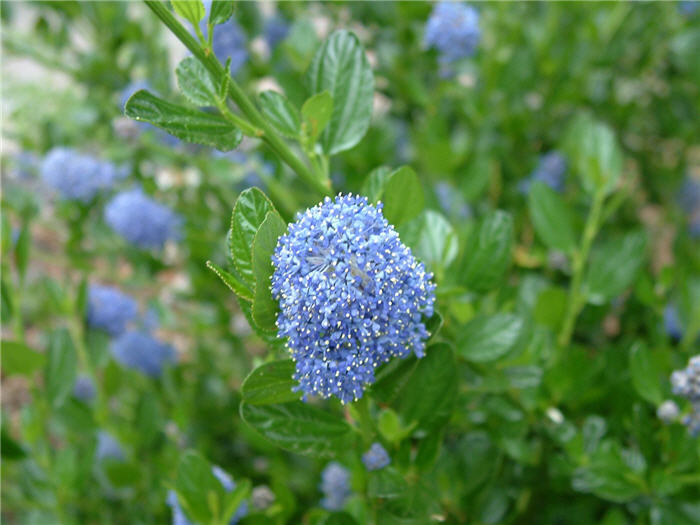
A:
432	240
249	212
196	83
402	196
191	10
551	218
60	367
221	11
18	358
373	186
486	338
316	114
264	305
645	376
299	427
184	123
487	254
341	68
271	383
237	286
281	113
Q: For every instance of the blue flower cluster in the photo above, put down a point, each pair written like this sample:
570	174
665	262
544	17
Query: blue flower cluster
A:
689	199
141	220
108	447
84	388
453	29
109	309
551	170
143	352
335	485
351	296
226	481
672	322
686	383
376	457
76	176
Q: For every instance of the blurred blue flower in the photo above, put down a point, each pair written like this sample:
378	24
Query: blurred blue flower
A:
376	457
551	170
689	195
686	383
226	481
451	201
672	322
688	7
26	164
109	309
84	388
453	29
108	447
351	296
668	411
141	220
335	485
141	351
78	177
276	30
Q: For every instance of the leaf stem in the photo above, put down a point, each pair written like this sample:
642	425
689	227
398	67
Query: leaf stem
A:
580	257
246	106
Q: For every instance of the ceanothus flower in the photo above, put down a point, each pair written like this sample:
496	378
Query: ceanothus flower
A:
672	322
376	457
335	485
84	388
453	29
551	169
108	447
76	176
141	220
141	351
351	296
109	309
668	411
686	383
179	517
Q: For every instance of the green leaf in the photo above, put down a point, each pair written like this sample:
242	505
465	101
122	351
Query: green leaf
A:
487	254
184	123
373	187
60	367
551	218
316	114
232	500
386	483
271	383
22	250
196	83
551	307
18	358
341	68
299	427
196	485
10	448
403	196
429	450
608	476
221	11
191	10
281	113
235	285
645	376
121	473
614	266
264	305
486	338
249	212
432	239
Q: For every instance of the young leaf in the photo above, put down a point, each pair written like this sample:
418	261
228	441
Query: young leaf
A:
234	283
487	255
486	338
281	113
18	358
341	68
271	383
645	376
191	10
316	113
264	306
432	239
60	367
299	427
551	218
221	11
249	212
184	123
403	196
196	83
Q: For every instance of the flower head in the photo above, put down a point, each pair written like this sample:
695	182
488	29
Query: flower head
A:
335	485
376	457
672	322
109	309
179	517
84	388
550	170
668	411
453	29
78	177
141	220
142	352
686	383
351	296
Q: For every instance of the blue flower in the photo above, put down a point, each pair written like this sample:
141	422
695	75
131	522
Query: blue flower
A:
551	170
351	296
668	411
226	481
686	383
141	220
376	457
108	447
109	309
78	177
453	29
688	7
141	351
276	30
335	485
84	388
689	195
672	322
451	201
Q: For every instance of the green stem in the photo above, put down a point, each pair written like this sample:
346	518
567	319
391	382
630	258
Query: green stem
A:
245	126
269	135
580	257
366	426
